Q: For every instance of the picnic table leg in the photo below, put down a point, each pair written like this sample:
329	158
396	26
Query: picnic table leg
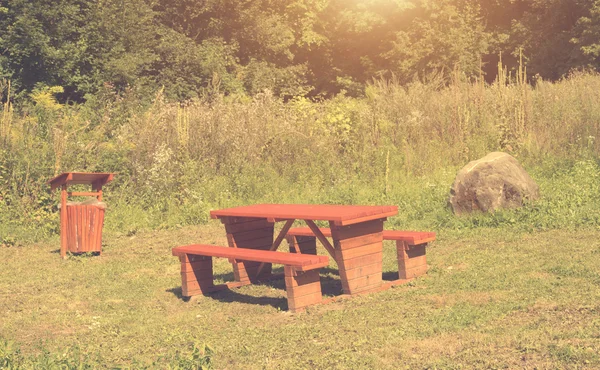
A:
252	233
359	255
302	244
412	261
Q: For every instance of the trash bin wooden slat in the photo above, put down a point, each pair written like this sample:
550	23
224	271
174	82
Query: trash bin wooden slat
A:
81	223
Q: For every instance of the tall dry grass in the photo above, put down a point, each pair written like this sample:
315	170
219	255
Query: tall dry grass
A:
174	161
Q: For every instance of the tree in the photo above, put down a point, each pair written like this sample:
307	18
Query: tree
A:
443	36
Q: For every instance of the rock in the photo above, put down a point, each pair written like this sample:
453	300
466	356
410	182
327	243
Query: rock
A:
492	182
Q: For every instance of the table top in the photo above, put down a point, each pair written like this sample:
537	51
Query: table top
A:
339	214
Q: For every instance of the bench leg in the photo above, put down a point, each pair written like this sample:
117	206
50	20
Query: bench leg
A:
303	288
412	261
196	275
302	244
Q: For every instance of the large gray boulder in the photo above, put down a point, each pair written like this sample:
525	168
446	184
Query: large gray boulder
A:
492	182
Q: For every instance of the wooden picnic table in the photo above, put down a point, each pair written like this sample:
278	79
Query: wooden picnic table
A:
357	233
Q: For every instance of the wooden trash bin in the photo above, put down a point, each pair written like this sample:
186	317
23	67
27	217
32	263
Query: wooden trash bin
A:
81	222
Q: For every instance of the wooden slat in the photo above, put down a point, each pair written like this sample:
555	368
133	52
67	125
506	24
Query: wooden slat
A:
79	216
361	261
84	194
364	270
412	237
73	178
241	237
63	222
359	251
340	214
277	241
358	241
313	227
243	254
247	226
72	232
264	243
356	230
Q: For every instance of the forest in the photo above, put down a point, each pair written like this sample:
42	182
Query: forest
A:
311	48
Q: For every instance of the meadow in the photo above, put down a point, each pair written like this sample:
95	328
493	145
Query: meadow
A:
491	299
517	288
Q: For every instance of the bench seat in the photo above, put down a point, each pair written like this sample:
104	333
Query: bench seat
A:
410	247
301	271
410	237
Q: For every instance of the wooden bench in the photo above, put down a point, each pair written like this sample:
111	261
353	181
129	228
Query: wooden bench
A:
302	281
410	247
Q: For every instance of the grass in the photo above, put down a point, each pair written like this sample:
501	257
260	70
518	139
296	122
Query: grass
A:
492	299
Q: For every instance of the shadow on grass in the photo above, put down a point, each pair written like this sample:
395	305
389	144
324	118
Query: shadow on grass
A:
330	286
233	295
386	275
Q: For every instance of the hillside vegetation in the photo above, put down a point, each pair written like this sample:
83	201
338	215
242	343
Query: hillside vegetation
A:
397	145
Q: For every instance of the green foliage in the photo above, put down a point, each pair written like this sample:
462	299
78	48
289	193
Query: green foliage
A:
292	48
200	358
12	358
444	37
396	145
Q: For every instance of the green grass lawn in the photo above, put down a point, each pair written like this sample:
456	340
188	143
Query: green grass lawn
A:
491	299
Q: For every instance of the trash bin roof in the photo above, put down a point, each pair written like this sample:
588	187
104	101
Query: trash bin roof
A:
76	178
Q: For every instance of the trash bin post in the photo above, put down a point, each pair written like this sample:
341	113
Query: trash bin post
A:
63	221
81	223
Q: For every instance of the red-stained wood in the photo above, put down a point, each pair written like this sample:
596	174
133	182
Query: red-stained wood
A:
263	242
83	194
313	227
303	289
363	260
71	229
359	241
83	228
282	234
412	260
413	272
364	270
229	220
243	254
80	178
302	244
412	237
301	271
249	233
247	226
63	221
356	230
359	251
93	229
243	236
277	242
81	225
350	246
339	214
97	187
